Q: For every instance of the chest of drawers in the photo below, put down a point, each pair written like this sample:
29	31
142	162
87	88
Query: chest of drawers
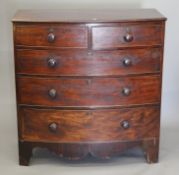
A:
88	82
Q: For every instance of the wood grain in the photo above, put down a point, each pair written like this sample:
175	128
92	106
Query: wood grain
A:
92	63
65	35
89	126
113	36
88	91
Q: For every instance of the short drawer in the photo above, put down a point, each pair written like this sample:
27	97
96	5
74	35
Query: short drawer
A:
126	35
88	91
96	125
83	63
46	35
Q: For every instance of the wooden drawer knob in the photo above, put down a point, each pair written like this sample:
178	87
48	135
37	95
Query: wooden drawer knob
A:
52	62
128	37
51	37
53	127
52	93
125	124
127	62
126	91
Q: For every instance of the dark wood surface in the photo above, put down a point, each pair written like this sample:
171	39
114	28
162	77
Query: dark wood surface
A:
92	15
89	125
65	35
80	63
88	82
88	91
114	36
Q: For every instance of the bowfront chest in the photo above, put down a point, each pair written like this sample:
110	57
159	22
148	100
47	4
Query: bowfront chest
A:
88	82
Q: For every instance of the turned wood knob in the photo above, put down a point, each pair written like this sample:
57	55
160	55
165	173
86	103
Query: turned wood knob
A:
126	91
53	127
52	62
125	124
127	62
51	37
52	93
128	37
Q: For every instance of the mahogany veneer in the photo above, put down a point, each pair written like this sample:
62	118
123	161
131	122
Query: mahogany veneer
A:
80	63
89	126
88	82
81	92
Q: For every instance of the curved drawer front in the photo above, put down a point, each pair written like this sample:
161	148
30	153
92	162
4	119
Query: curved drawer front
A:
126	35
88	91
51	36
82	63
95	125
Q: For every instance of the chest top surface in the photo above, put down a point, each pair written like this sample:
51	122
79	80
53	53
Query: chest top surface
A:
88	16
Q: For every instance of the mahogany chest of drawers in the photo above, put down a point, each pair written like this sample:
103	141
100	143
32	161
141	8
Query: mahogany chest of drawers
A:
88	82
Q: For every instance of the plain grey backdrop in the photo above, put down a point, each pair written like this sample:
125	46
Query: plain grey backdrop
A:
169	152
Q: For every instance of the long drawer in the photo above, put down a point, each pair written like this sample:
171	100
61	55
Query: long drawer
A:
83	63
88	91
94	125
